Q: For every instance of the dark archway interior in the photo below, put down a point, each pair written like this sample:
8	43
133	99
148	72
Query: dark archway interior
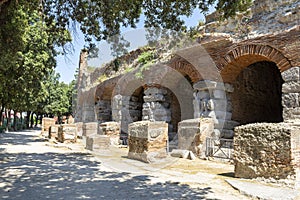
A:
174	106
257	94
136	104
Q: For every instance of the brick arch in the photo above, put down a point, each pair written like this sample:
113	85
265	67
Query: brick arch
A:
186	68
105	89
241	57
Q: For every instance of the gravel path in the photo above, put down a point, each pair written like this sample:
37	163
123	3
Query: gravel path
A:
31	168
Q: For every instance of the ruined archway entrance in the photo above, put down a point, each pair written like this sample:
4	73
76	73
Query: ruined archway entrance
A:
257	94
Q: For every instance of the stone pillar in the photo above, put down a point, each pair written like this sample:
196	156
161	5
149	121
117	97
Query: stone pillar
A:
192	134
212	99
156	108
291	94
148	141
116	108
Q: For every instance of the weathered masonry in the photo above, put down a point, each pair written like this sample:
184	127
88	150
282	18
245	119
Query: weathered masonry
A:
242	71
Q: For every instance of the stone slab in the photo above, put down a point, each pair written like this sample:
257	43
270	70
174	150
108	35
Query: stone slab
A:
291	87
260	191
292	74
290	100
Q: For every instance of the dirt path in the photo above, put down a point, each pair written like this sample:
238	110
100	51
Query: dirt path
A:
31	168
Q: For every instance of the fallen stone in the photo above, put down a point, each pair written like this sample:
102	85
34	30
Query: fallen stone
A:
179	153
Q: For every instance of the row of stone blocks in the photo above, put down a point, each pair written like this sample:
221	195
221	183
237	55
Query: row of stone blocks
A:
148	141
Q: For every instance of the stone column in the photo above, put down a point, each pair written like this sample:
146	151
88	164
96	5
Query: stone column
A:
155	107
291	94
117	108
212	99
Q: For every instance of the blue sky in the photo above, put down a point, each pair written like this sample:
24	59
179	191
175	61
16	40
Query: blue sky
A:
66	65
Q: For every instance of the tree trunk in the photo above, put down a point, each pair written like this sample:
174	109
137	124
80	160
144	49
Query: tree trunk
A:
1	117
36	119
31	120
41	119
8	120
15	120
27	119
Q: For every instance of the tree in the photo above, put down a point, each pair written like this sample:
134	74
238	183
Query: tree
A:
99	19
27	61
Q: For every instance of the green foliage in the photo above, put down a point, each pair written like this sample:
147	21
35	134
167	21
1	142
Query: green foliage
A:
102	78
57	96
139	73
146	57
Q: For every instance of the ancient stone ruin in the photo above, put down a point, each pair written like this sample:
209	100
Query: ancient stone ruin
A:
244	70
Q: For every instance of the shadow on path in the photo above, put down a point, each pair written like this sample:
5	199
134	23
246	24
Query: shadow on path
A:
77	176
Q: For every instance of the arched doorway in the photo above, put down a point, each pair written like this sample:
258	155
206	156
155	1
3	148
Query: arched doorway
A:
257	94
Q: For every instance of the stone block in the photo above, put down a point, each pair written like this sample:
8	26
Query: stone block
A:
223	115
226	124
79	126
53	131
290	100
219	94
267	150
156	97
227	134
112	130
291	87
147	141
192	134
46	123
220	104
211	85
67	133
90	128
292	74
97	142
203	94
205	85
291	113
